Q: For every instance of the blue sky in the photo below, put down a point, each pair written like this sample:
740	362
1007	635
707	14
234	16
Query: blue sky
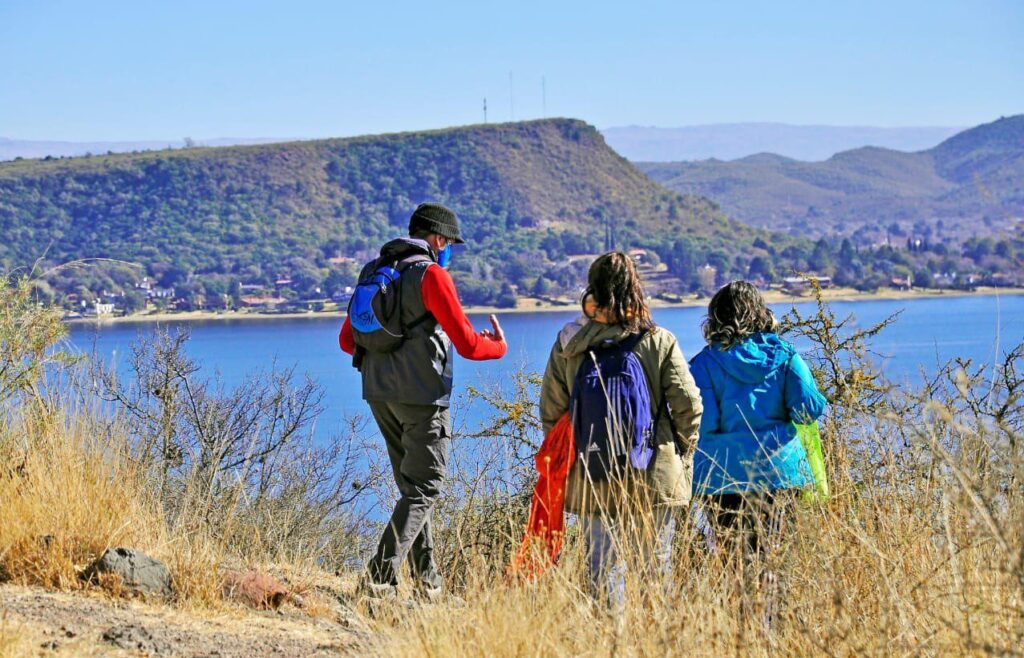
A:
138	70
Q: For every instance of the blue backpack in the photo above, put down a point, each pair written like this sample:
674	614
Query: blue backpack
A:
375	308
613	419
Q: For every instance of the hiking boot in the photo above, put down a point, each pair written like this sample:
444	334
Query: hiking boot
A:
424	594
427	584
374	591
427	594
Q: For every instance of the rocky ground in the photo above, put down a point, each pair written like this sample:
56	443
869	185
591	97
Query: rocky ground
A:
34	621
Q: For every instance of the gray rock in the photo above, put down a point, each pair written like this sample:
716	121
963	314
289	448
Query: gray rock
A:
132	637
139	573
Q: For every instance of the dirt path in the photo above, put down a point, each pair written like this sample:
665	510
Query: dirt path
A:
39	622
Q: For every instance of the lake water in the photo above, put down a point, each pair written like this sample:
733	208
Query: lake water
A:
929	332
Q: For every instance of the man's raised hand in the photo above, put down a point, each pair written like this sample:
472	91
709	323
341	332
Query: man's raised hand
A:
495	333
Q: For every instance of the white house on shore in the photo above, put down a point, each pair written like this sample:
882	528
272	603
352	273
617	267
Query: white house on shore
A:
100	309
799	284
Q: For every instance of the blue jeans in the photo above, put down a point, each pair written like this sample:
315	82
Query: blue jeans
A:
648	538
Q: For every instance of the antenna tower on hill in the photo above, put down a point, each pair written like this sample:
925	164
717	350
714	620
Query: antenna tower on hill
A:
543	98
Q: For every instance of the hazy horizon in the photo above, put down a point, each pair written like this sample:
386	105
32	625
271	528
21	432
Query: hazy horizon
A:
681	126
724	141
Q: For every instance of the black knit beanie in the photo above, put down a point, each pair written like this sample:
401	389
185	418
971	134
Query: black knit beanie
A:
435	218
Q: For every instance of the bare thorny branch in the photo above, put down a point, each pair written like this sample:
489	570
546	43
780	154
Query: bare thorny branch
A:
243	451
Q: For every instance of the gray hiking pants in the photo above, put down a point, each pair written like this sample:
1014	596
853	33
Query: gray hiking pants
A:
418	438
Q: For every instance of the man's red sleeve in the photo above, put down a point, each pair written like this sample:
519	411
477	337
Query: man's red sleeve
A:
441	300
345	339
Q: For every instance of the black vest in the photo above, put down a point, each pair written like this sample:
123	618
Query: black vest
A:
420	371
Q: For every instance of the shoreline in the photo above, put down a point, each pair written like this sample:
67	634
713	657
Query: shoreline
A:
530	305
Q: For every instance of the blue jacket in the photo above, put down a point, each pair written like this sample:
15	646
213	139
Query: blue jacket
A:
752	393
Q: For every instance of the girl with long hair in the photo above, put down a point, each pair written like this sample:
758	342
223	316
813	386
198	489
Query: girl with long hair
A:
615	494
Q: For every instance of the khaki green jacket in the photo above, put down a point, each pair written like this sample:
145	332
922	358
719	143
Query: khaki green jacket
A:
669	478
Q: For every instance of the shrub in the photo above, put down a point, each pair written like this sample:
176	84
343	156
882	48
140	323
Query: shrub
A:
28	333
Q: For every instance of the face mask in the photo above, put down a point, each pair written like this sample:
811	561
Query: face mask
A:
444	257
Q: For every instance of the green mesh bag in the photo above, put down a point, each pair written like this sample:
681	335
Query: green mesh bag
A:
811	438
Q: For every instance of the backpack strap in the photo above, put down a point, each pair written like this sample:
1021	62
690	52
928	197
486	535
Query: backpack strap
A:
402	266
406	263
630	344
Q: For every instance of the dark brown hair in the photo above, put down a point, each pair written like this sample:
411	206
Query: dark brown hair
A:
735	312
616	288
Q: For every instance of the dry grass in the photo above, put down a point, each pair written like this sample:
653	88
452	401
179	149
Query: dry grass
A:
889	567
72	485
69	490
920	551
66	495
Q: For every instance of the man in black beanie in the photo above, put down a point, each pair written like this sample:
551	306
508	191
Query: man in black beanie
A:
409	391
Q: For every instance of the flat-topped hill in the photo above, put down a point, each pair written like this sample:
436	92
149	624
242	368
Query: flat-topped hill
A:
528	193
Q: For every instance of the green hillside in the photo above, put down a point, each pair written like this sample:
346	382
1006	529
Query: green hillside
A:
214	222
971	185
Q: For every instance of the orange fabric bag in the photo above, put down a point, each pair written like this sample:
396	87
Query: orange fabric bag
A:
546	528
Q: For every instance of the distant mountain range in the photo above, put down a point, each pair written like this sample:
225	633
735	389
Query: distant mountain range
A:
729	141
28	148
970	184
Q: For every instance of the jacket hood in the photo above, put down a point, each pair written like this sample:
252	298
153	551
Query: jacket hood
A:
578	337
755	358
405	247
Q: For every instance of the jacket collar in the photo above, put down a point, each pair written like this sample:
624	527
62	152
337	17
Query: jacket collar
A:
402	248
591	334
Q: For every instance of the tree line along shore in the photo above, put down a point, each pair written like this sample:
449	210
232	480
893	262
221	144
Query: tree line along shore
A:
537	305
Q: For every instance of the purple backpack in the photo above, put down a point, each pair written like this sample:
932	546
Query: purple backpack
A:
613	419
